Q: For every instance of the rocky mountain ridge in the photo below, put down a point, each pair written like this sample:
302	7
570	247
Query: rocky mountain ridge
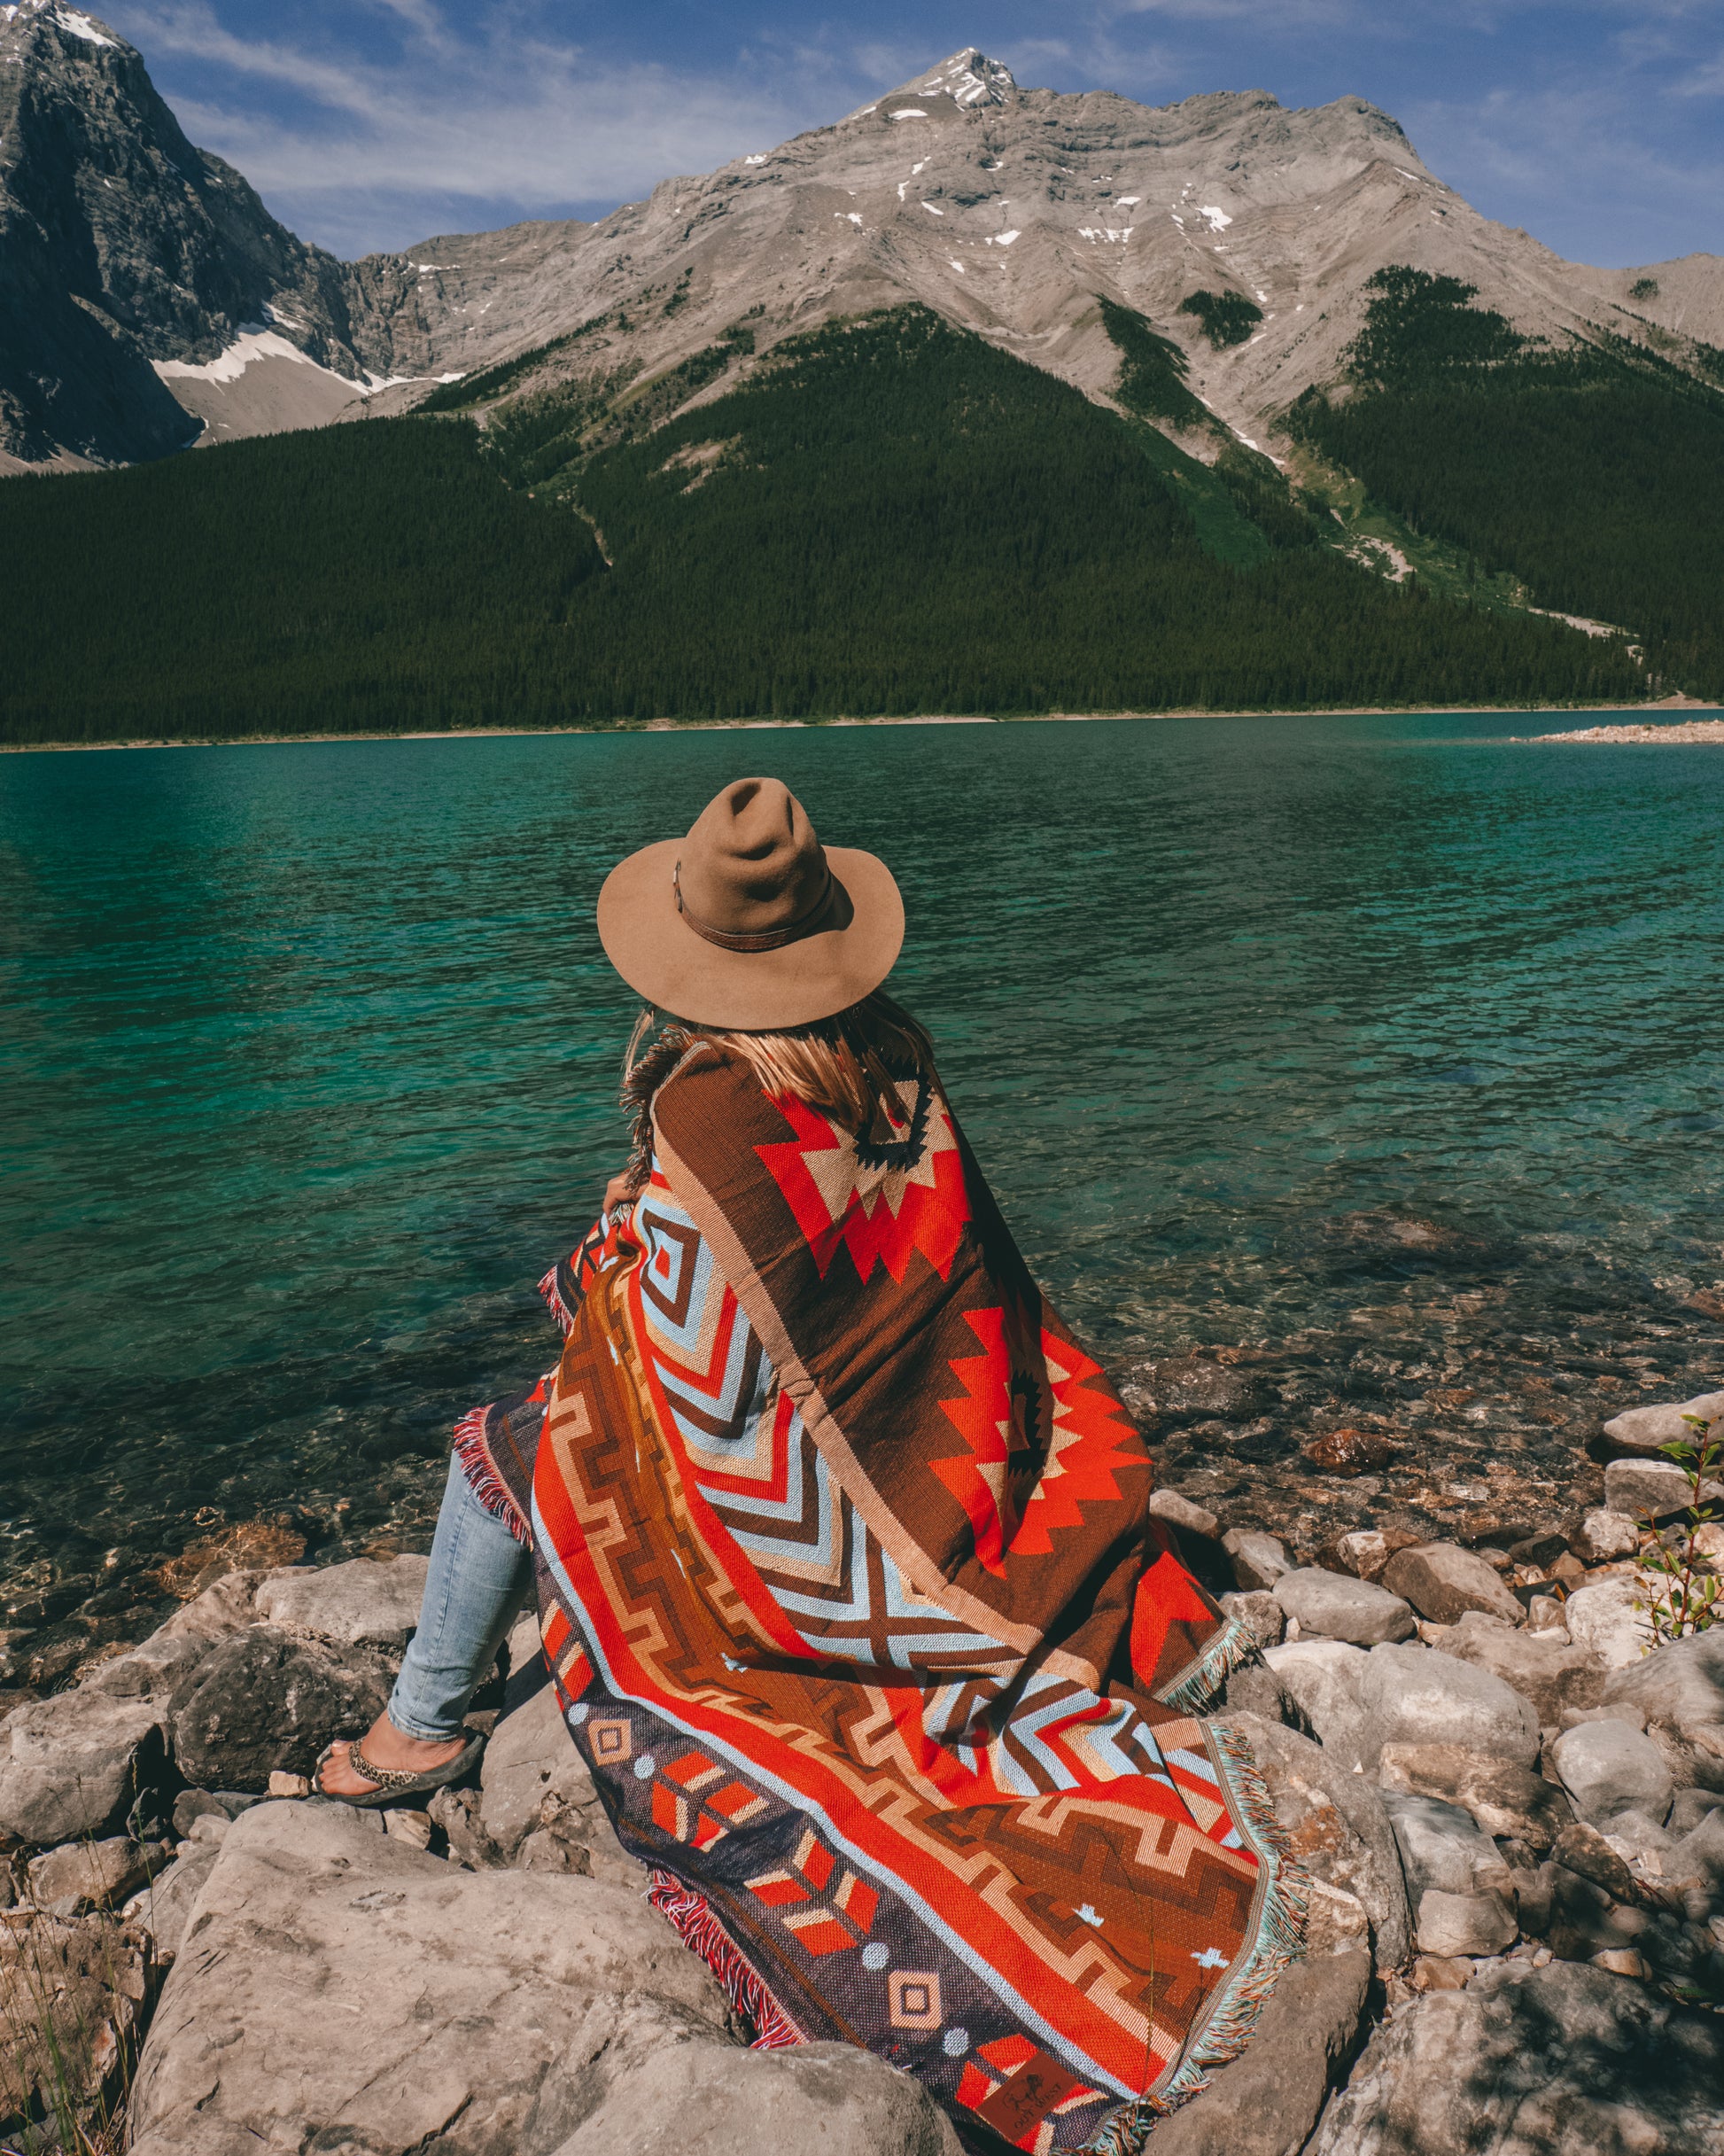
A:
148	300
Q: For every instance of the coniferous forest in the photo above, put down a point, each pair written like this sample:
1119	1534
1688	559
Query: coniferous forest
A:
1595	476
891	516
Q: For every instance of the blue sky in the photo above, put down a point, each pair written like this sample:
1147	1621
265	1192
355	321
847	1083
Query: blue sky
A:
1598	124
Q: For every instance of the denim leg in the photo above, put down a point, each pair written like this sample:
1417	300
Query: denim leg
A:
480	1578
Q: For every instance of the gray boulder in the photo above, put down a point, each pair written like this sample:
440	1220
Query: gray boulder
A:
1180	1512
1266	2102
1648	1429
655	2080
1442	1581
538	1803
1558	2061
1608	1767
1654	1487
72	1764
1547	1668
1603	1536
357	1994
1338	1830
1449	1926
1503	1799
1459	1885
85	1875
1442	1849
1681	1683
268	1701
1607	1618
1333	1606
1415	1695
1259	1560
1259	1612
1323	1677
365	1602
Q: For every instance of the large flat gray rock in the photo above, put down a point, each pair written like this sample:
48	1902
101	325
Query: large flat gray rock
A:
1267	2100
340	1990
1560	2061
1653	1489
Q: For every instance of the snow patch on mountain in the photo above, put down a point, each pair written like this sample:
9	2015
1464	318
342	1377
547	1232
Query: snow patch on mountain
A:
80	25
253	343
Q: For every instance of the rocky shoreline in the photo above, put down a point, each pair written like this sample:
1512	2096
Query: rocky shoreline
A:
1510	1811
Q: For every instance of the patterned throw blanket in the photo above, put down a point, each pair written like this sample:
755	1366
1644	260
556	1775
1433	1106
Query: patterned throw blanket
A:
898	1692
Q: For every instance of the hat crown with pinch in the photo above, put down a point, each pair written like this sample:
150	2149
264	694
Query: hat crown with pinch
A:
753	875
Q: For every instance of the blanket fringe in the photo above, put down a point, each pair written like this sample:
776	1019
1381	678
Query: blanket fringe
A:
472	1449
1280	1941
702	1933
553	1302
1198	1690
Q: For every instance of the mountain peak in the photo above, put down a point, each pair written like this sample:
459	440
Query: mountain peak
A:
969	78
25	14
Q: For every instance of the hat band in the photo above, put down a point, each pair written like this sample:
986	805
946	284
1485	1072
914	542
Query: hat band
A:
766	940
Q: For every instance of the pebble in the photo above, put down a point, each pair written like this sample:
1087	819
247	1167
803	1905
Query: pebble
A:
1259	1560
1180	1512
283	1785
1603	1535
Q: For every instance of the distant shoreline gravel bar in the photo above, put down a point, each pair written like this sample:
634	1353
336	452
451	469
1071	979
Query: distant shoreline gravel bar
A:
1685	730
1689	730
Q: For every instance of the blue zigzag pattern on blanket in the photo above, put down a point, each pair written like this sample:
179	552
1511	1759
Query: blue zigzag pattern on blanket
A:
755	1463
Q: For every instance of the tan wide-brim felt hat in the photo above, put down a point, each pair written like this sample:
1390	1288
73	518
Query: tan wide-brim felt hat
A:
749	923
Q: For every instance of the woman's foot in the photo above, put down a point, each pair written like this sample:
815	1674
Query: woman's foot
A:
385	1746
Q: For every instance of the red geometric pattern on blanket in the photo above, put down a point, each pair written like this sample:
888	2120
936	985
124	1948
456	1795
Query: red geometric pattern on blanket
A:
1089	1441
877	1356
843	1918
881	1215
1119	1911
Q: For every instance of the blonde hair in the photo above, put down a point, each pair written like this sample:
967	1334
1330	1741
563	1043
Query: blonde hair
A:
847	1066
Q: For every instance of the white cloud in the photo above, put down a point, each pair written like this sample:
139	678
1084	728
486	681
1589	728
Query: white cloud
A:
504	118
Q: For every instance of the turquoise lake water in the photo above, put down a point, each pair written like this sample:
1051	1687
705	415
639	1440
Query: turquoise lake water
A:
308	1063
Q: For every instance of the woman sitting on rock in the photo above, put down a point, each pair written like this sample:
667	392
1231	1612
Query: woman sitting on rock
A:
845	1567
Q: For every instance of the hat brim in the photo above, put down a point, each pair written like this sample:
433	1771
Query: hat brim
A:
755	991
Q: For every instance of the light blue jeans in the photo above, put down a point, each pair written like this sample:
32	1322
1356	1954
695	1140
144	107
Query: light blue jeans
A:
477	1584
